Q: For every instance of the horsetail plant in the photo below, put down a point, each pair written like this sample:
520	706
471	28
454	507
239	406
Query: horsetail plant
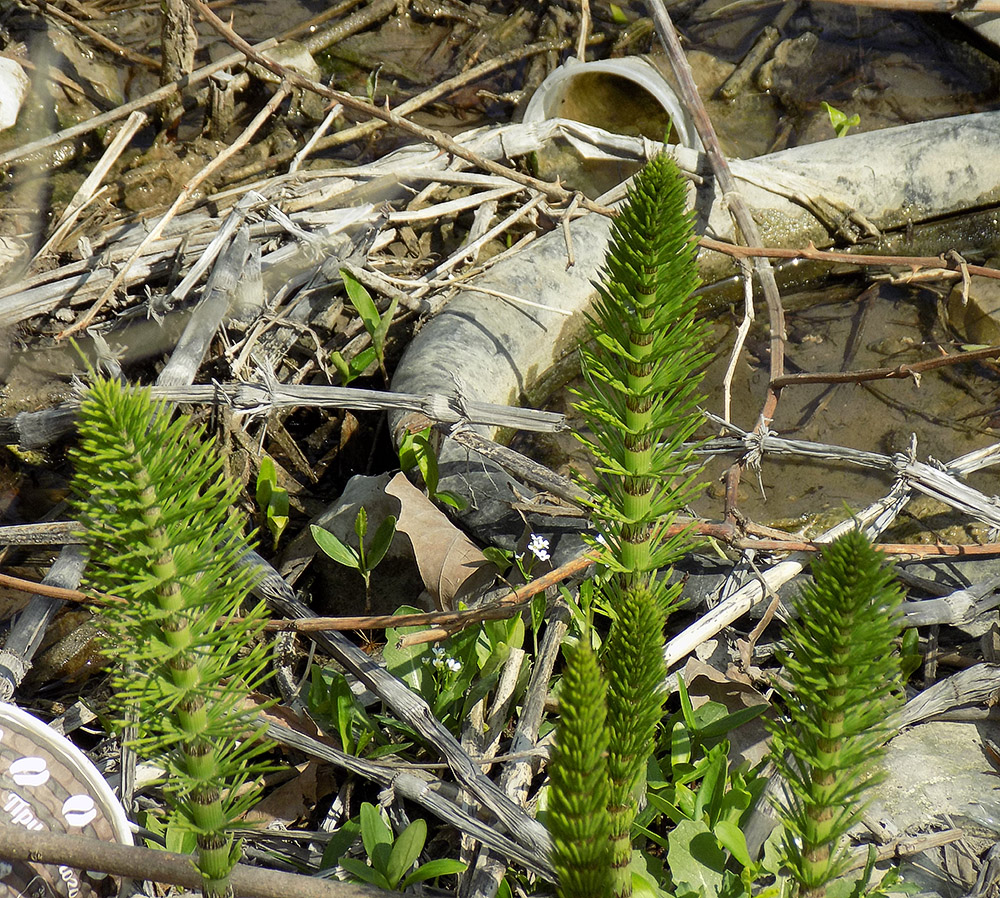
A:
157	520
640	396
843	682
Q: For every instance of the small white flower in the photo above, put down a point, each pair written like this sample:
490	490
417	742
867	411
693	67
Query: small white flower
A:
454	665
438	663
438	651
539	547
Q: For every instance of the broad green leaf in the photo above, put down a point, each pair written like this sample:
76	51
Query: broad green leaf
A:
686	708
339	842
441	866
617	14
406	663
538	606
376	835
361	299
409	844
729	722
410	448
501	559
661	804
732	838
426	462
381	541
343	369
712	786
338	551
680	745
267	479
362	871
695	858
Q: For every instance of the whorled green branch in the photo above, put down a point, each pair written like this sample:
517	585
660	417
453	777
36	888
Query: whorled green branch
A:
641	370
158	521
578	797
843	683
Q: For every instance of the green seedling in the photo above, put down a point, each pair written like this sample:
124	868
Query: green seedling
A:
331	701
362	559
376	325
272	499
156	517
841	123
391	859
416	451
355	367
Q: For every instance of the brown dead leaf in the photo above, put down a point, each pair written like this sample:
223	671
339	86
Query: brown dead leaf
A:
450	564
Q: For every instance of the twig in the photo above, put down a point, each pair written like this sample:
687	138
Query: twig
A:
143	102
554	192
741	336
945	6
154	234
950	266
131	861
87	189
734	200
581	41
913	370
97	37
513	602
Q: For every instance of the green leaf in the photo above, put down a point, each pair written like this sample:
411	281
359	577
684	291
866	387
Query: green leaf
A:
733	840
723	725
339	843
427	462
617	14
410	448
686	708
381	541
841	123
695	859
452	500
364	873
680	745
409	844
361	524
343	369
361	299
267	479
338	551
378	338
501	559
377	837
406	663
441	866
538	606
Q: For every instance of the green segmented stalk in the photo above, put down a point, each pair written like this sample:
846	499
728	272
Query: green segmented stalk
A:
843	683
156	517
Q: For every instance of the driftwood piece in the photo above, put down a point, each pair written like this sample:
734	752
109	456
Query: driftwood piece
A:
976	685
32	430
435	795
960	607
